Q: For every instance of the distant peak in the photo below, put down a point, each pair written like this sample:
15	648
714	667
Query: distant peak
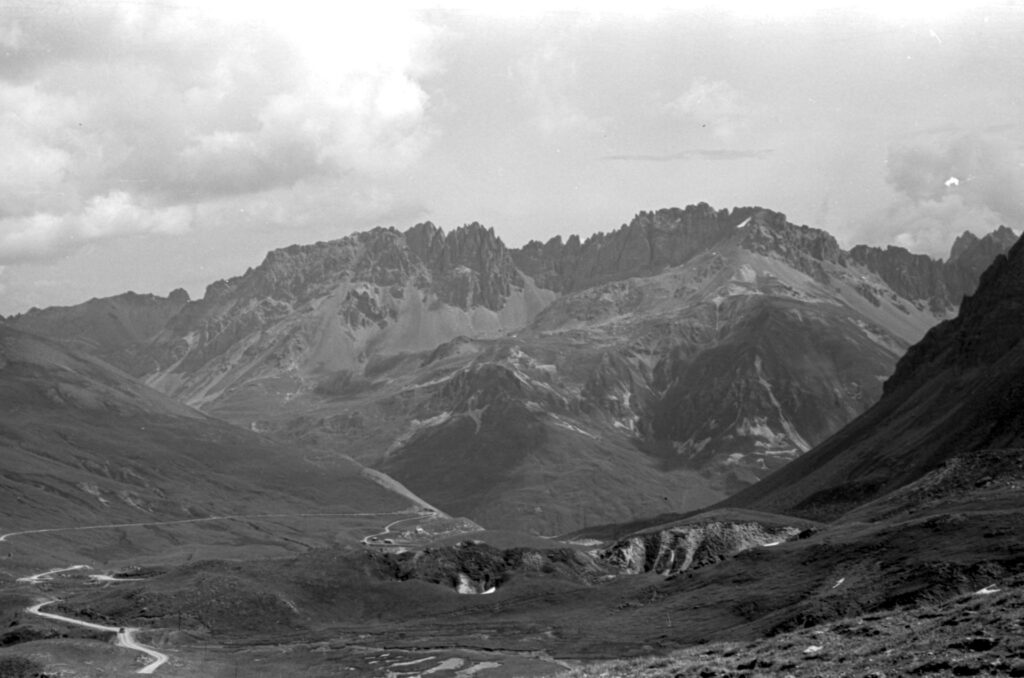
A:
964	242
968	246
765	230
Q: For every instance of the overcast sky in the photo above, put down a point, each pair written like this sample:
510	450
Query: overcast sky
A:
149	146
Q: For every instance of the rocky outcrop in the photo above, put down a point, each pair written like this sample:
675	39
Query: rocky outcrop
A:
654	241
687	547
651	242
941	283
470	265
977	253
466	267
475	567
806	249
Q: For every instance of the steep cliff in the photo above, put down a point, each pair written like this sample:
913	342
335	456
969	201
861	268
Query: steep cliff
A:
942	283
651	242
686	547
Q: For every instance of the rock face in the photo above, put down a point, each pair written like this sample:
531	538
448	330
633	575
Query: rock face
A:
651	242
656	368
942	284
687	547
977	253
955	392
470	265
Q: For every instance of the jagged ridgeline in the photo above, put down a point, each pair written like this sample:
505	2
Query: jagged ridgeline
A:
658	367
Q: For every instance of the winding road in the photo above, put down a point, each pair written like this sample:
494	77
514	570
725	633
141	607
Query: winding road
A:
5	537
369	539
125	635
45	576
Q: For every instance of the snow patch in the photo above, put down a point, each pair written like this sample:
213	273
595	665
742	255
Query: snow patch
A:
110	578
414	661
417	425
433	382
447	665
436	420
559	421
477	668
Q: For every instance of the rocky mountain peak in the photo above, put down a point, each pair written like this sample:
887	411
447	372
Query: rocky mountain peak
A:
469	265
466	267
971	251
650	242
988	326
941	283
806	248
963	242
299	272
179	296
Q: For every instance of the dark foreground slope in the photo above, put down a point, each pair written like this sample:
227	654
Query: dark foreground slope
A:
959	390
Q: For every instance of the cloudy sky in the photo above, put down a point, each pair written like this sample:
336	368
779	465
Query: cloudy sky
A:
155	145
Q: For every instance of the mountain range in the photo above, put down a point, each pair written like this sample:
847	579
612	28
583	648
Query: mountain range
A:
273	553
659	367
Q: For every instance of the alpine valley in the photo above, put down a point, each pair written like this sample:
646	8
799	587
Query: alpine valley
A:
763	455
660	367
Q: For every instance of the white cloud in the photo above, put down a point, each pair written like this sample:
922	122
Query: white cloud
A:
547	77
948	182
116	119
43	235
988	171
714	104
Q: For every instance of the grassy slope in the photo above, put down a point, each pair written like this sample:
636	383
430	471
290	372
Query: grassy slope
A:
83	444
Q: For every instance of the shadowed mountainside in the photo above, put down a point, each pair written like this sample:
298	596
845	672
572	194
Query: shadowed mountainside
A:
956	391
